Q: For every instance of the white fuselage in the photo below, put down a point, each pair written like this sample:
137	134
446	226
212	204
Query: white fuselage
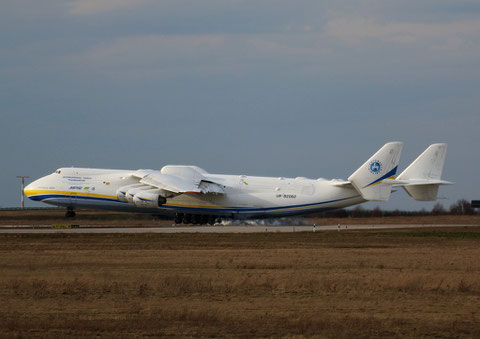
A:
244	197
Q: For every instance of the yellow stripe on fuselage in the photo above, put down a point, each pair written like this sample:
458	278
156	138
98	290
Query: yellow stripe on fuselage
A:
30	193
248	208
193	206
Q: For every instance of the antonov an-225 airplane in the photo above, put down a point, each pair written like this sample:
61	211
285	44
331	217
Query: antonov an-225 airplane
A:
192	195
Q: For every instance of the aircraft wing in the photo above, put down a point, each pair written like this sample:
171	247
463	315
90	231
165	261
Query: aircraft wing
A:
178	183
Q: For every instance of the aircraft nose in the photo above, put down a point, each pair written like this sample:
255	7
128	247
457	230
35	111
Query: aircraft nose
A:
30	188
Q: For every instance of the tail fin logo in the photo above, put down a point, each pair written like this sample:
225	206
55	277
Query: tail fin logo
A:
375	167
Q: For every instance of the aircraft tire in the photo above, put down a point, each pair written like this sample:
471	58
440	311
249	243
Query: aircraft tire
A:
196	219
178	218
70	214
187	218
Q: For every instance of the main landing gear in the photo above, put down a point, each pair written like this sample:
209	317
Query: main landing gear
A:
196	219
70	213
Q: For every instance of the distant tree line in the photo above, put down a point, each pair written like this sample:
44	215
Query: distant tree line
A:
461	207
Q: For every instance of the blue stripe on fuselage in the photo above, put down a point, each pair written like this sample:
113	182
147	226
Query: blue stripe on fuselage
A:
248	209
65	196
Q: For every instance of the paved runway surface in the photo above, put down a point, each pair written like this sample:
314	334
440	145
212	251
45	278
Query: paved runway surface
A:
204	229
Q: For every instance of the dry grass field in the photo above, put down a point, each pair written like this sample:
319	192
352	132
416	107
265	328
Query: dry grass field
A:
415	283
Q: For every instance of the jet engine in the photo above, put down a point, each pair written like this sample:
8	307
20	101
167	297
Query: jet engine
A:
122	191
148	199
132	191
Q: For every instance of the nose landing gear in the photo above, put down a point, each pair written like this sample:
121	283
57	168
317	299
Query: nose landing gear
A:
70	213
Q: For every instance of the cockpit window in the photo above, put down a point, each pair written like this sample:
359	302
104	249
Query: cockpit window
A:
58	171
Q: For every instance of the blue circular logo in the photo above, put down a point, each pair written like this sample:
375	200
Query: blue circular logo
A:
375	166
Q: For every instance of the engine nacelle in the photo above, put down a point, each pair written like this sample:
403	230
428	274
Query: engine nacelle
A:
132	191
148	200
122	191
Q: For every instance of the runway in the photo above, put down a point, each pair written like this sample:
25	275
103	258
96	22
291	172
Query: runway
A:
46	229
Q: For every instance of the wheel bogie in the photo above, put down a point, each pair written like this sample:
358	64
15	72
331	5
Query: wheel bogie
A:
196	219
178	218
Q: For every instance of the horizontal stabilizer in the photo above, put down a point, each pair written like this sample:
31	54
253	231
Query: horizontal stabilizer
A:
421	182
338	183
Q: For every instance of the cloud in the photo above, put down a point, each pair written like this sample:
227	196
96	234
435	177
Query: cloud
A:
158	55
154	48
446	36
87	7
152	55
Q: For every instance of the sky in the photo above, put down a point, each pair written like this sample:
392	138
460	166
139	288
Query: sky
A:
272	88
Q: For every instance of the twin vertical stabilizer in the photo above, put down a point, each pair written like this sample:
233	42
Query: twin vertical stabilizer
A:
422	178
371	179
376	177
